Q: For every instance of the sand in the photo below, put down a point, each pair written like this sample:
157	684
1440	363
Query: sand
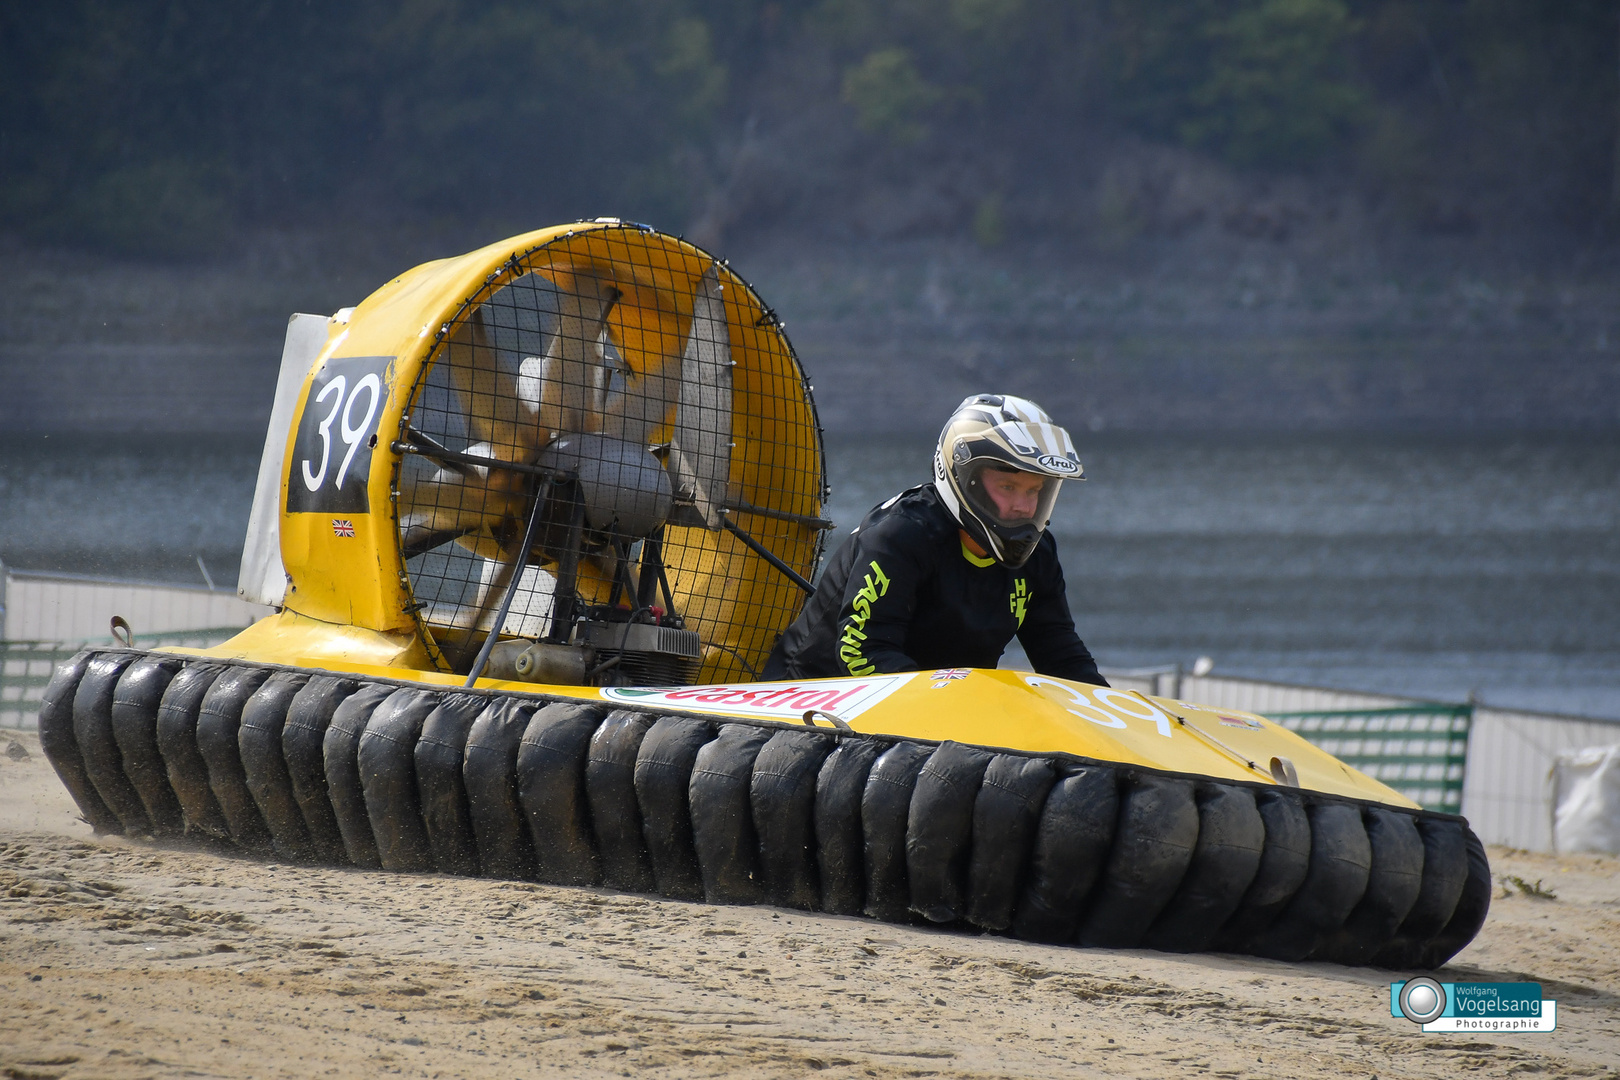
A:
129	959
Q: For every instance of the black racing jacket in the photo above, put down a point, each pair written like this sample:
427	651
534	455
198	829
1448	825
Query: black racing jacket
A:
903	593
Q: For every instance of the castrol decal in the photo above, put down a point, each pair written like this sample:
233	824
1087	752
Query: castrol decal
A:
844	698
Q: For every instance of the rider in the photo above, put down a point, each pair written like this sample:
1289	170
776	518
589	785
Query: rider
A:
944	575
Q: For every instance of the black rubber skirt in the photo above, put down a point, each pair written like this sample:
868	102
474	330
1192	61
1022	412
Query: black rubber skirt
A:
1046	847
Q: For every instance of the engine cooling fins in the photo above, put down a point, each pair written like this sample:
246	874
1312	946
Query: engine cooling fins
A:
310	767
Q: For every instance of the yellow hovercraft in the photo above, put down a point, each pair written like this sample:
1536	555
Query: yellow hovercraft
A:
531	519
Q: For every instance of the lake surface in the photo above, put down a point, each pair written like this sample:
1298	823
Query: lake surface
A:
1434	568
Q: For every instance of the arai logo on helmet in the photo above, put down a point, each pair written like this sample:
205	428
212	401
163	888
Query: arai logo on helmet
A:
1056	463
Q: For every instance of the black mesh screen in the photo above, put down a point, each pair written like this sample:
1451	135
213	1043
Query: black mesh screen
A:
629	406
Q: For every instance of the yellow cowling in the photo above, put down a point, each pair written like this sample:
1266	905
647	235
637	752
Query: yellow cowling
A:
345	568
349	602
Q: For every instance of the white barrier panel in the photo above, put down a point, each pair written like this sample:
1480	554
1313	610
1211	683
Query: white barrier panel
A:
71	607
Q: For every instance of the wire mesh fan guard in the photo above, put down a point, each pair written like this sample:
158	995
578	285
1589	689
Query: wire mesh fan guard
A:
624	384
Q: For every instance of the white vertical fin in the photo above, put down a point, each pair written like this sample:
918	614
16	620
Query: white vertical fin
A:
700	447
263	578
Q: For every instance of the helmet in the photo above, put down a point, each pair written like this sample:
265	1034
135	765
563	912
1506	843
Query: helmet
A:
996	433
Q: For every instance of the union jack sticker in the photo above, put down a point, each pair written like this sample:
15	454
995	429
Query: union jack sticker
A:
342	527
945	676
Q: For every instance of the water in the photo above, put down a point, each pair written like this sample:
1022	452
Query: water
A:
1431	568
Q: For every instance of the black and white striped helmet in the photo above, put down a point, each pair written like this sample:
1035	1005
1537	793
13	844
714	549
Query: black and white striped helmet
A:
999	433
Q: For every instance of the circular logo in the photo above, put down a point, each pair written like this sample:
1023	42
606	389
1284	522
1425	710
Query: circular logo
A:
1422	1000
1056	463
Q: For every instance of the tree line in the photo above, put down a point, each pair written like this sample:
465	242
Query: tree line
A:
167	125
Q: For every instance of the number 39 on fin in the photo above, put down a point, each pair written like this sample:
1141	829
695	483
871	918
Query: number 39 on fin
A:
331	458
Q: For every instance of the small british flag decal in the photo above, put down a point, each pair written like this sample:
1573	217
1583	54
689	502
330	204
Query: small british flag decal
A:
945	676
342	527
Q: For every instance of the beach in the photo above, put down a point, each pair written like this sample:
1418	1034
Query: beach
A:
125	958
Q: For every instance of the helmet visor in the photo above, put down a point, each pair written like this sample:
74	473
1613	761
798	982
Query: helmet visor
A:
1008	497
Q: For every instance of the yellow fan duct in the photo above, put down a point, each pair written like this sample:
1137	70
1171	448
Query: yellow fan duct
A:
423	428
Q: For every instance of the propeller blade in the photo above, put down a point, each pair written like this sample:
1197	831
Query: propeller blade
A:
636	404
511	414
492	404
572	375
700	447
457	497
490	594
417	540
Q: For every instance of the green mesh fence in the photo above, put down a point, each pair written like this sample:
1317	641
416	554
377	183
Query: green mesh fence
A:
1419	750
